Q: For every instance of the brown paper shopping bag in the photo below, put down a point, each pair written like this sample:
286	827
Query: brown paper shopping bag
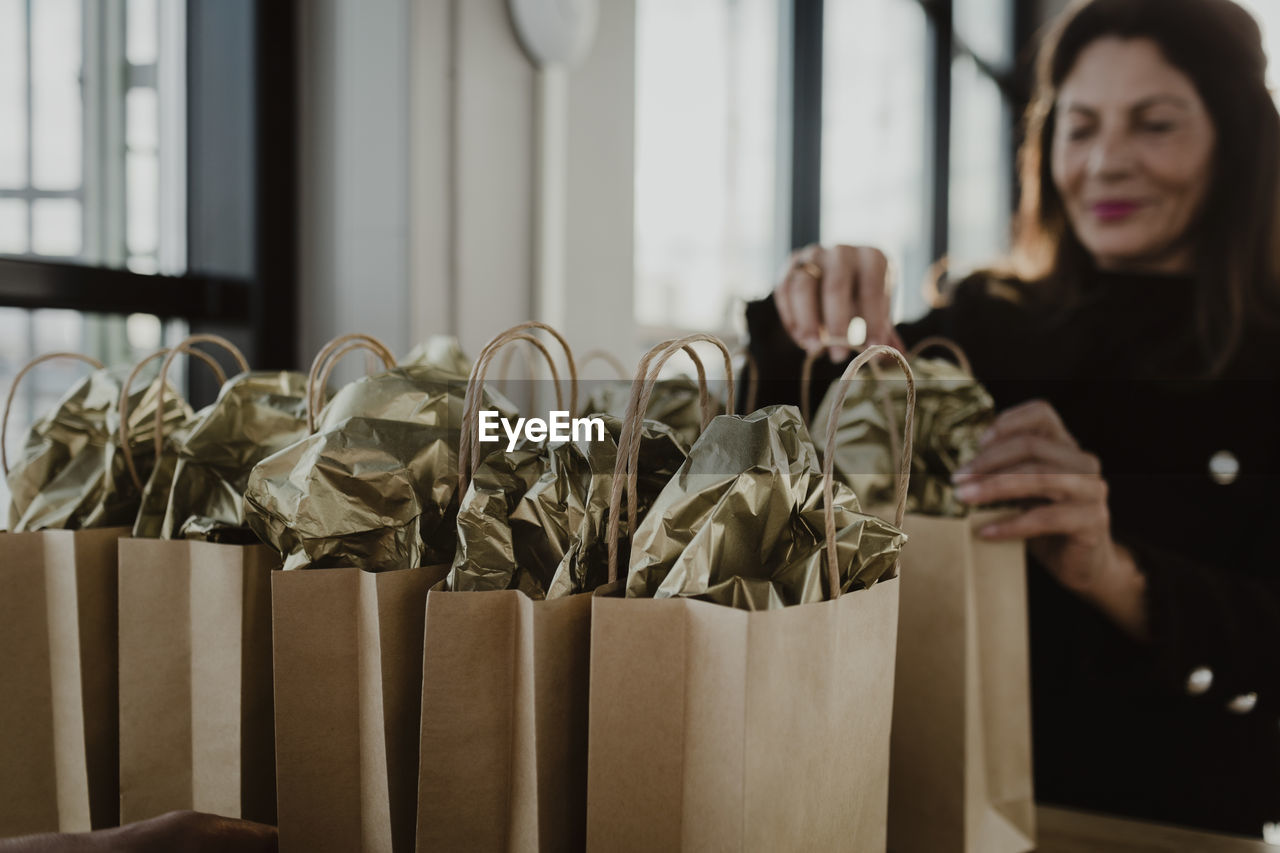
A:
58	744
59	740
348	688
960	762
195	679
960	773
504	695
504	722
714	728
196	726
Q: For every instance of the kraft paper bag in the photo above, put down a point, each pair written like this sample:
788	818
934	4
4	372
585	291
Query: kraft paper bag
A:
763	725
58	715
960	771
195	679
507	636
504	722
348	688
713	728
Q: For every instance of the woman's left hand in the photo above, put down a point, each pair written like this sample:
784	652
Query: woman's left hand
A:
1028	455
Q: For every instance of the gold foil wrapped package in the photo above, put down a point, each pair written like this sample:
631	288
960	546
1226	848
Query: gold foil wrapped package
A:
741	523
443	353
534	519
371	493
674	403
375	486
424	393
71	472
197	489
952	411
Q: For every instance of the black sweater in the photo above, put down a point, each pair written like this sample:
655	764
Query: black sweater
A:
1116	727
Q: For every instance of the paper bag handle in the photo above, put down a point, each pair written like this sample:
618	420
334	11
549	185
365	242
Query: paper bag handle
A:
806	368
806	375
753	379
903	479
504	369
605	356
123	406
626	469
468	459
185	346
8	401
949	345
330	354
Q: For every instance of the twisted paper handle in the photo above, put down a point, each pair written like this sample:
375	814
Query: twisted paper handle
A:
806	376
626	470
949	345
903	479
753	379
328	357
183	346
605	356
123	406
8	401
468	459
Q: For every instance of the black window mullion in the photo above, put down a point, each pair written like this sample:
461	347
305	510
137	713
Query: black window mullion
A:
806	122
941	35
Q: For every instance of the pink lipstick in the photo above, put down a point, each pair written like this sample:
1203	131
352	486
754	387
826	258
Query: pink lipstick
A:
1110	211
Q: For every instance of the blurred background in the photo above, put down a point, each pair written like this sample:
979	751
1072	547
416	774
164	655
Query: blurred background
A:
283	171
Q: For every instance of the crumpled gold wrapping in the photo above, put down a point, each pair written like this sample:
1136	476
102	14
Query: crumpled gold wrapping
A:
674	403
952	411
534	519
370	492
741	523
424	393
442	352
197	489
376	486
71	473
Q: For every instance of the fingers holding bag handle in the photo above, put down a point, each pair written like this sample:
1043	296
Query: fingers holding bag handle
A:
8	402
903	479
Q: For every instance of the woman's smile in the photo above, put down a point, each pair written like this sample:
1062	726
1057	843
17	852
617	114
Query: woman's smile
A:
1115	210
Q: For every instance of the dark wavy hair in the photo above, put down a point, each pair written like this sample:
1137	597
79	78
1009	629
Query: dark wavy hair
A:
1218	46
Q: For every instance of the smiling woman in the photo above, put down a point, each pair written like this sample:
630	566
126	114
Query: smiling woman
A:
1131	156
1129	343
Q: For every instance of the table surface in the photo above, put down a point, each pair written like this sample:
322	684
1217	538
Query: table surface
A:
1066	831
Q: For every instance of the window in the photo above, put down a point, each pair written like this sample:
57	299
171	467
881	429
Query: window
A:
875	152
146	183
909	147
1267	14
707	152
81	160
981	158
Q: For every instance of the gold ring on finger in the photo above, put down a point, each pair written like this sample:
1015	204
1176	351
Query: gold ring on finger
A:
810	269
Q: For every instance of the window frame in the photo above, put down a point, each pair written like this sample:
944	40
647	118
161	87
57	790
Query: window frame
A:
259	308
943	46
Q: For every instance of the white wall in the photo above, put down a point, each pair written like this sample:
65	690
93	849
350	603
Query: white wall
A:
419	175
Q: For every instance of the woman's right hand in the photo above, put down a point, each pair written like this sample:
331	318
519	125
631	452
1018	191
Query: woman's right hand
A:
825	288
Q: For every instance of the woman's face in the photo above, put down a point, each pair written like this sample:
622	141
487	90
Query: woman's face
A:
1132	156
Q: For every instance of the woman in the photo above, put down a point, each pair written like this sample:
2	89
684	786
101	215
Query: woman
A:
1132	352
